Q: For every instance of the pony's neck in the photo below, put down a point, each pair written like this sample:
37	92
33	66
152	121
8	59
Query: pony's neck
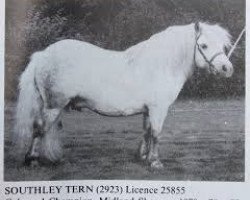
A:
171	49
179	43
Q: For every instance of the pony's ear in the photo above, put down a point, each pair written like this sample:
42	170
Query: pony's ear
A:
197	27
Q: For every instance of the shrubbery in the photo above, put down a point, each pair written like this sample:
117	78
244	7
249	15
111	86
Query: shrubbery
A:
117	25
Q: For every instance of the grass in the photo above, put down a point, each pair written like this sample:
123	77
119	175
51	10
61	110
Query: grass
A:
201	141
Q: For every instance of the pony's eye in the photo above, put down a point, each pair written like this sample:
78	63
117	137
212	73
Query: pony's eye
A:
203	46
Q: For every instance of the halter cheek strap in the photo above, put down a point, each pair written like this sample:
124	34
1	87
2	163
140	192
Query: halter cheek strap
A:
208	61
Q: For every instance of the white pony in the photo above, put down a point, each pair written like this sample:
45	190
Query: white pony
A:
145	78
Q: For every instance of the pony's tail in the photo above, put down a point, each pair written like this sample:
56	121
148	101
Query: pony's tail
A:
28	109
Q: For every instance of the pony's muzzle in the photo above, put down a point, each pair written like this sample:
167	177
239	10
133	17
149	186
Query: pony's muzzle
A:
227	70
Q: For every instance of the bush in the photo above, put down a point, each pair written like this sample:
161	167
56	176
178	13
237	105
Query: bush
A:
117	25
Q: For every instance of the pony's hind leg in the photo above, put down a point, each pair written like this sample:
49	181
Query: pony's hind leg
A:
54	103
32	156
50	145
45	145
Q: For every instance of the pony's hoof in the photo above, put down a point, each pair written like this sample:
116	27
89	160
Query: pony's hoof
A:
31	161
156	165
34	164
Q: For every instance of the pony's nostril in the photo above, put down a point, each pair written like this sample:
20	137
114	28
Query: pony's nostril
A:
224	68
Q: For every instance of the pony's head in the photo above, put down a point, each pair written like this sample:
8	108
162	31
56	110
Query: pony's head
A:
211	43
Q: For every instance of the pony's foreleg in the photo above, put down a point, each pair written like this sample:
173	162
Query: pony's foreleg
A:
156	119
143	148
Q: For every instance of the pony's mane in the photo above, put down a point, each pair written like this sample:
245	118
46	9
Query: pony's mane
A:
219	33
170	47
175	47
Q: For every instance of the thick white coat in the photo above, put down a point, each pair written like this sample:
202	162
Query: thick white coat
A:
148	75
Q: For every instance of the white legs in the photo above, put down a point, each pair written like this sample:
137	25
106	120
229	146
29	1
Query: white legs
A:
149	148
45	142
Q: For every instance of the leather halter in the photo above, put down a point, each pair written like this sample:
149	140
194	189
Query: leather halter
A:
208	61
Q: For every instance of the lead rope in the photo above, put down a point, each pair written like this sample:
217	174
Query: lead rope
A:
236	43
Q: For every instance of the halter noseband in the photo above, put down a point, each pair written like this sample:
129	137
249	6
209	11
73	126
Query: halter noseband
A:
209	62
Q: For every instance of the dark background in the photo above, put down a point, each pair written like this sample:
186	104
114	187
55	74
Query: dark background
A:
31	25
203	138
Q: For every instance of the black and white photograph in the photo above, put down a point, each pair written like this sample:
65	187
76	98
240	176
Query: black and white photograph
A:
124	90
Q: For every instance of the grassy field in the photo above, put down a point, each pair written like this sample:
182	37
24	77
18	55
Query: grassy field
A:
201	140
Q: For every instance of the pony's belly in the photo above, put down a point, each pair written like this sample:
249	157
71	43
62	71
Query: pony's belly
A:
117	112
106	108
